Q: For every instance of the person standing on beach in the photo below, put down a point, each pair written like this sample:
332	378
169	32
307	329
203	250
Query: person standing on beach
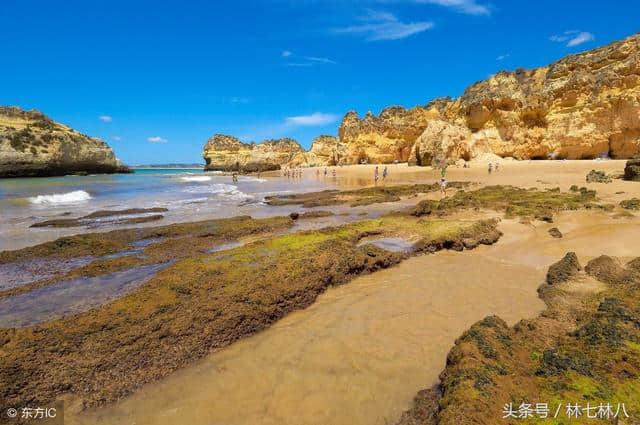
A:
443	187
385	172
375	175
497	165
490	168
325	171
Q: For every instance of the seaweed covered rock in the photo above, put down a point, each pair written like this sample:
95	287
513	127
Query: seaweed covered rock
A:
564	269
610	270
631	204
555	232
598	177
632	170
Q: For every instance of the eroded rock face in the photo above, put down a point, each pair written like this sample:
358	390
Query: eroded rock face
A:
32	144
385	138
227	153
582	107
325	151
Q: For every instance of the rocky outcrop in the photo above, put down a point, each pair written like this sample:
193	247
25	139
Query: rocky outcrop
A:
325	151
632	170
32	144
581	107
227	153
384	138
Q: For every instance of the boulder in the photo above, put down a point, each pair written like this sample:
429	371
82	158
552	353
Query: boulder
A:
610	270
598	177
632	170
555	232
564	269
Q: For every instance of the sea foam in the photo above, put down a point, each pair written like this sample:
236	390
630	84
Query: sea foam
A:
61	198
196	179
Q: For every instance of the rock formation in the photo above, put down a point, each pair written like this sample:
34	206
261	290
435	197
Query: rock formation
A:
581	107
325	151
632	170
32	144
227	153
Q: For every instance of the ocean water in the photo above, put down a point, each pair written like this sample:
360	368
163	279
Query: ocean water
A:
188	194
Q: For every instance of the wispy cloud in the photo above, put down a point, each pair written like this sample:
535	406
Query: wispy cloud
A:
503	57
105	118
156	139
286	53
236	100
116	138
315	119
320	60
377	25
298	64
573	38
470	7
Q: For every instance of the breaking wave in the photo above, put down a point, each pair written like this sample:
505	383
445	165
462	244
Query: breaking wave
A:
61	198
196	179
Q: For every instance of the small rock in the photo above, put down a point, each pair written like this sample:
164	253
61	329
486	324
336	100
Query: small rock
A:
598	177
555	232
632	170
294	215
564	269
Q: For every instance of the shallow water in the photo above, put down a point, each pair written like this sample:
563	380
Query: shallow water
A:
71	296
360	353
20	273
391	244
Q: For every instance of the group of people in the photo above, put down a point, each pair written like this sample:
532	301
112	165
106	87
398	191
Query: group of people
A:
326	172
376	174
292	173
495	166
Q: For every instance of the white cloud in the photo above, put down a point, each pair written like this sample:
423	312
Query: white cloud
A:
470	7
239	100
503	57
315	119
298	64
320	60
573	38
105	118
384	26
156	139
286	53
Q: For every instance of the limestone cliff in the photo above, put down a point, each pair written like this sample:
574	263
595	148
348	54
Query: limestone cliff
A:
32	144
384	138
227	153
325	151
580	107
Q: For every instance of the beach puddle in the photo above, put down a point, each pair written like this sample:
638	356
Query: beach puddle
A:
13	275
390	244
71	296
358	355
143	243
226	246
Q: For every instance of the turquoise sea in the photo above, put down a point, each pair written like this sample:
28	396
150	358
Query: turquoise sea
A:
188	193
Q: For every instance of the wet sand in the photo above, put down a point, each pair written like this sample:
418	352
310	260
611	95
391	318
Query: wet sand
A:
360	353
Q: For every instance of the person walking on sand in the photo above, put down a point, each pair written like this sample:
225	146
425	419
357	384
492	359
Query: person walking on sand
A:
443	187
375	175
325	171
385	172
490	168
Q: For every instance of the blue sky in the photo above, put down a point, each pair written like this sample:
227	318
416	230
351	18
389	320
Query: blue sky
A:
156	79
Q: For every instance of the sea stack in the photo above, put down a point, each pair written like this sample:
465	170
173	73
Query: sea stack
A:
33	145
228	153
